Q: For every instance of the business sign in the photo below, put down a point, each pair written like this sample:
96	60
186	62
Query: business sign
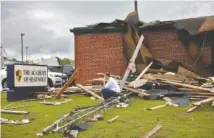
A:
30	76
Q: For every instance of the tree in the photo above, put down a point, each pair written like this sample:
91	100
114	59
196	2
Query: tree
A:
65	61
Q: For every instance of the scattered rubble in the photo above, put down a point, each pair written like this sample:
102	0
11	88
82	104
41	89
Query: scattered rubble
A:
55	103
15	122
153	131
113	119
14	112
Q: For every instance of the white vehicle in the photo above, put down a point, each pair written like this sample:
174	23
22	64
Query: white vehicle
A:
54	78
3	79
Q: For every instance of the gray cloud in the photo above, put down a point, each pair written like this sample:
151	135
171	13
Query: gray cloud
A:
47	24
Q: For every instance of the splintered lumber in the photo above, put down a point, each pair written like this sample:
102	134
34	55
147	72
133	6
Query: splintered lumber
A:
136	91
131	62
202	94
144	71
156	71
157	107
14	112
113	119
18	107
192	109
67	84
89	91
194	90
204	101
138	83
186	72
153	131
189	86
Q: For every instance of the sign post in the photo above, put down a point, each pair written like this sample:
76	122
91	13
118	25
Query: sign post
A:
24	80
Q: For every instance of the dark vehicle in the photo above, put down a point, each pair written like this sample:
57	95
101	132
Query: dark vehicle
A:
68	70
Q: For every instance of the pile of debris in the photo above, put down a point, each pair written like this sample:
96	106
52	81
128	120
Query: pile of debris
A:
176	88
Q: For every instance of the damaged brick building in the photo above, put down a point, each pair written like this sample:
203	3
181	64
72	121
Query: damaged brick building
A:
107	47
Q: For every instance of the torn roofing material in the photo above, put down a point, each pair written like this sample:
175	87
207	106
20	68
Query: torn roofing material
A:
192	25
115	26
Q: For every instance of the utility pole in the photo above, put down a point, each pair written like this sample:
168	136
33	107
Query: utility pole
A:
26	51
135	6
22	45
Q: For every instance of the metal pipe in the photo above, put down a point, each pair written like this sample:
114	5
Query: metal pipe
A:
69	123
22	45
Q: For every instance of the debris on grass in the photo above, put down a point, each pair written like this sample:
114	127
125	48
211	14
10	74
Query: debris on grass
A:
14	112
153	131
55	103
113	119
15	122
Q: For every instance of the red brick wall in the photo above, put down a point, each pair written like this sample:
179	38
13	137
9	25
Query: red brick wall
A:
99	53
166	45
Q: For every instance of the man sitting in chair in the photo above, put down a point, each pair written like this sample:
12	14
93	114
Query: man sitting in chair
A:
111	88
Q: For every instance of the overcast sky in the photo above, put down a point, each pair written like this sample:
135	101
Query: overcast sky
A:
47	24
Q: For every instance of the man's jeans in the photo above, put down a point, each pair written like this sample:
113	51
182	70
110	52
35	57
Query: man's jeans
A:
108	93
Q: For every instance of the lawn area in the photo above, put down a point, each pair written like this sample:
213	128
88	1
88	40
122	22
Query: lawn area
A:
134	121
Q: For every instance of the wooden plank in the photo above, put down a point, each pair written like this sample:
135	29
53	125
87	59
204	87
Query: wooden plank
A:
192	109
67	84
136	91
113	119
204	101
153	131
194	90
199	96
89	91
14	112
157	107
186	72
189	86
131	62
144	71
138	83
202	94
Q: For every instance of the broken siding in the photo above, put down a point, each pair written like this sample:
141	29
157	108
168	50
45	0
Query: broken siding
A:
99	53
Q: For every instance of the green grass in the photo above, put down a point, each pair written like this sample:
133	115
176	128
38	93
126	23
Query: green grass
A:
134	121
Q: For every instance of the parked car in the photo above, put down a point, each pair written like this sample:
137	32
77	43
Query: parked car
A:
54	78
68	70
3	74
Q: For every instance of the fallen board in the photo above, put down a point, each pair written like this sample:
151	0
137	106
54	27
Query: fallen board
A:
157	107
89	91
204	101
153	131
189	86
192	109
138	83
136	91
14	112
131	62
67	84
113	119
144	71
